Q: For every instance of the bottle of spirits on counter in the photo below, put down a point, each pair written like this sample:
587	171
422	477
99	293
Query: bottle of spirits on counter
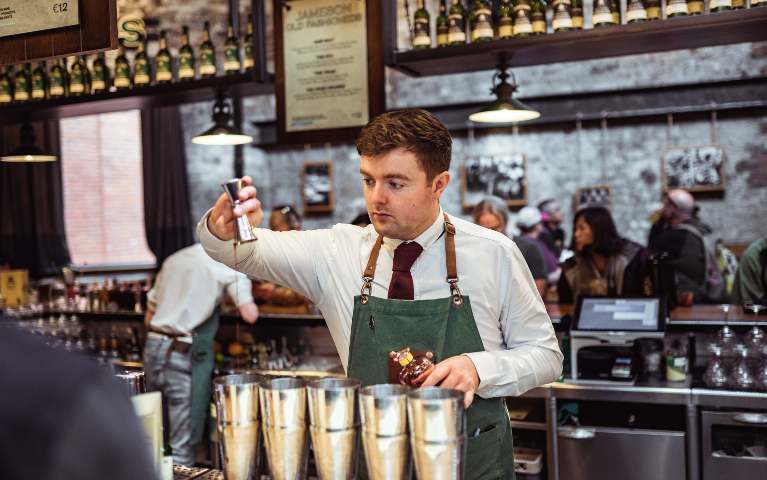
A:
122	71
207	54
695	7
653	9
719	5
577	14
87	73
57	86
505	19
77	78
603	15
100	74
232	63
562	20
636	11
738	4
443	24
186	63
163	61
456	24
676	8
6	85
248	62
421	27
40	81
615	9
538	16
523	23
481	21
21	84
141	70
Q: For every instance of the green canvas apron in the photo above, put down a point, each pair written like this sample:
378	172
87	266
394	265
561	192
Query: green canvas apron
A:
446	327
202	370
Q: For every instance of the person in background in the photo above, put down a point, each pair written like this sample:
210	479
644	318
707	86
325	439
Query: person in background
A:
552	234
751	277
681	235
530	227
605	264
284	218
182	320
492	213
63	418
361	220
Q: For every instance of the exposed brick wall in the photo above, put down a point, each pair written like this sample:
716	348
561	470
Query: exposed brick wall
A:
103	192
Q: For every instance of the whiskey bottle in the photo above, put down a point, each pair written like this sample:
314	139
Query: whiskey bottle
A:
207	54
602	15
186	63
523	24
653	9
100	74
695	7
538	16
719	5
615	9
141	69
6	85
457	24
163	61
231	51
421	27
577	14
77	78
40	81
505	19
738	4
248	61
481	21
636	11
21	84
443	24
562	19
122	71
57	85
676	8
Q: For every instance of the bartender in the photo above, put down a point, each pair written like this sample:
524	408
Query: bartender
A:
182	320
416	278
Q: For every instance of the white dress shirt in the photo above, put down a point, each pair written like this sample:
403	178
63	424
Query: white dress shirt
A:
188	288
521	350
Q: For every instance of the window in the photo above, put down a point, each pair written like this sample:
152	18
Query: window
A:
103	190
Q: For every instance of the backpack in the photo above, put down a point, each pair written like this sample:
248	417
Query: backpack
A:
714	286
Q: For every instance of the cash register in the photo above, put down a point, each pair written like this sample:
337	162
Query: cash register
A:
604	334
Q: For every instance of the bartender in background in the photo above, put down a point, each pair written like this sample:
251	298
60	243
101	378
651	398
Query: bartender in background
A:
182	320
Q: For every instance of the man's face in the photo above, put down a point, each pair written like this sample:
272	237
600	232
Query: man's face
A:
399	198
555	212
491	221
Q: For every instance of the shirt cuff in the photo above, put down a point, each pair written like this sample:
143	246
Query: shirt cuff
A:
222	250
490	372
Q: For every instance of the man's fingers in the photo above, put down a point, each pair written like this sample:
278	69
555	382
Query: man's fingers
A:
220	208
249	207
247	192
437	375
468	398
247	180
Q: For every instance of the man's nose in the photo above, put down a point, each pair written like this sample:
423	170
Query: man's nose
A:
379	195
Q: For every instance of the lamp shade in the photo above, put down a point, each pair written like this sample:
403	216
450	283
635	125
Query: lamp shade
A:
222	132
505	109
27	151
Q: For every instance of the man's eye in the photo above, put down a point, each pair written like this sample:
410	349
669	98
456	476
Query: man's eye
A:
367	181
395	186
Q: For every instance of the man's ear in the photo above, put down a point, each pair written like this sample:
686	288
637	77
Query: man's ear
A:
440	182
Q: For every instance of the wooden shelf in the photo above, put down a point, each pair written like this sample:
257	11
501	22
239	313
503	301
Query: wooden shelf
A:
200	90
266	319
528	425
723	28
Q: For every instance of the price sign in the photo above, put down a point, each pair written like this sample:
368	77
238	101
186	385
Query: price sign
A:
26	16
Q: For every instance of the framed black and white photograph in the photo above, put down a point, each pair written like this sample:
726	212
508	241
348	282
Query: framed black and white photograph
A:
503	175
593	196
696	169
317	187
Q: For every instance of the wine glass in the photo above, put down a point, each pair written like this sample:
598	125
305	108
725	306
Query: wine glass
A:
743	379
716	372
726	336
755	337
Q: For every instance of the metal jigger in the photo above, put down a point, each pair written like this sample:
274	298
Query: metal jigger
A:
383	411
243	232
283	407
238	425
437	420
334	418
133	382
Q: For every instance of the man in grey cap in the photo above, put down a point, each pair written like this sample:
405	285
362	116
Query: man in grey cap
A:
529	223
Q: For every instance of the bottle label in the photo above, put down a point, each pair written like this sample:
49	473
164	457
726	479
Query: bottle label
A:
185	72
539	22
4	97
676	7
738	3
76	87
38	93
456	29
721	4
636	12
207	63
562	18
522	24
603	15
56	90
141	79
99	85
421	33
578	21
695	6
482	29
20	95
231	58
207	69
233	65
163	69
121	82
653	13
164	76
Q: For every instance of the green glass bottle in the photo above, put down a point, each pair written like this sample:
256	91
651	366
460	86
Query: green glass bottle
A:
653	9
538	16
231	52
40	81
100	74
57	80
122	71
207	54
636	11
186	63
457	24
676	8
481	21
77	78
6	85
615	9
249	61
603	14
443	25
141	70
88	77
716	6
421	26
562	20
505	14
163	61
695	7
21	84
523	15
576	12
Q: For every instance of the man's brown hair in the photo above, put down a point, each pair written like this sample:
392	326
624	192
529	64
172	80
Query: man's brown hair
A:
415	130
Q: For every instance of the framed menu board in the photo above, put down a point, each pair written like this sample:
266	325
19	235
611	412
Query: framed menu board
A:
27	16
329	77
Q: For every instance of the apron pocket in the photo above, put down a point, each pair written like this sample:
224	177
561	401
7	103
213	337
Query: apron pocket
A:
483	455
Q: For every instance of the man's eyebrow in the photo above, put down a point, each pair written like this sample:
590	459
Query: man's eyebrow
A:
387	176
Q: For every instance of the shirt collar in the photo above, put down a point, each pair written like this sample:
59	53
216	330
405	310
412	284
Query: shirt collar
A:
426	239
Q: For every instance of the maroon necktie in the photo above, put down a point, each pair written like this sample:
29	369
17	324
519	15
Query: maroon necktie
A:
401	286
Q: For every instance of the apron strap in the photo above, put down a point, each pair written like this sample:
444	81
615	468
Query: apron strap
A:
450	260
